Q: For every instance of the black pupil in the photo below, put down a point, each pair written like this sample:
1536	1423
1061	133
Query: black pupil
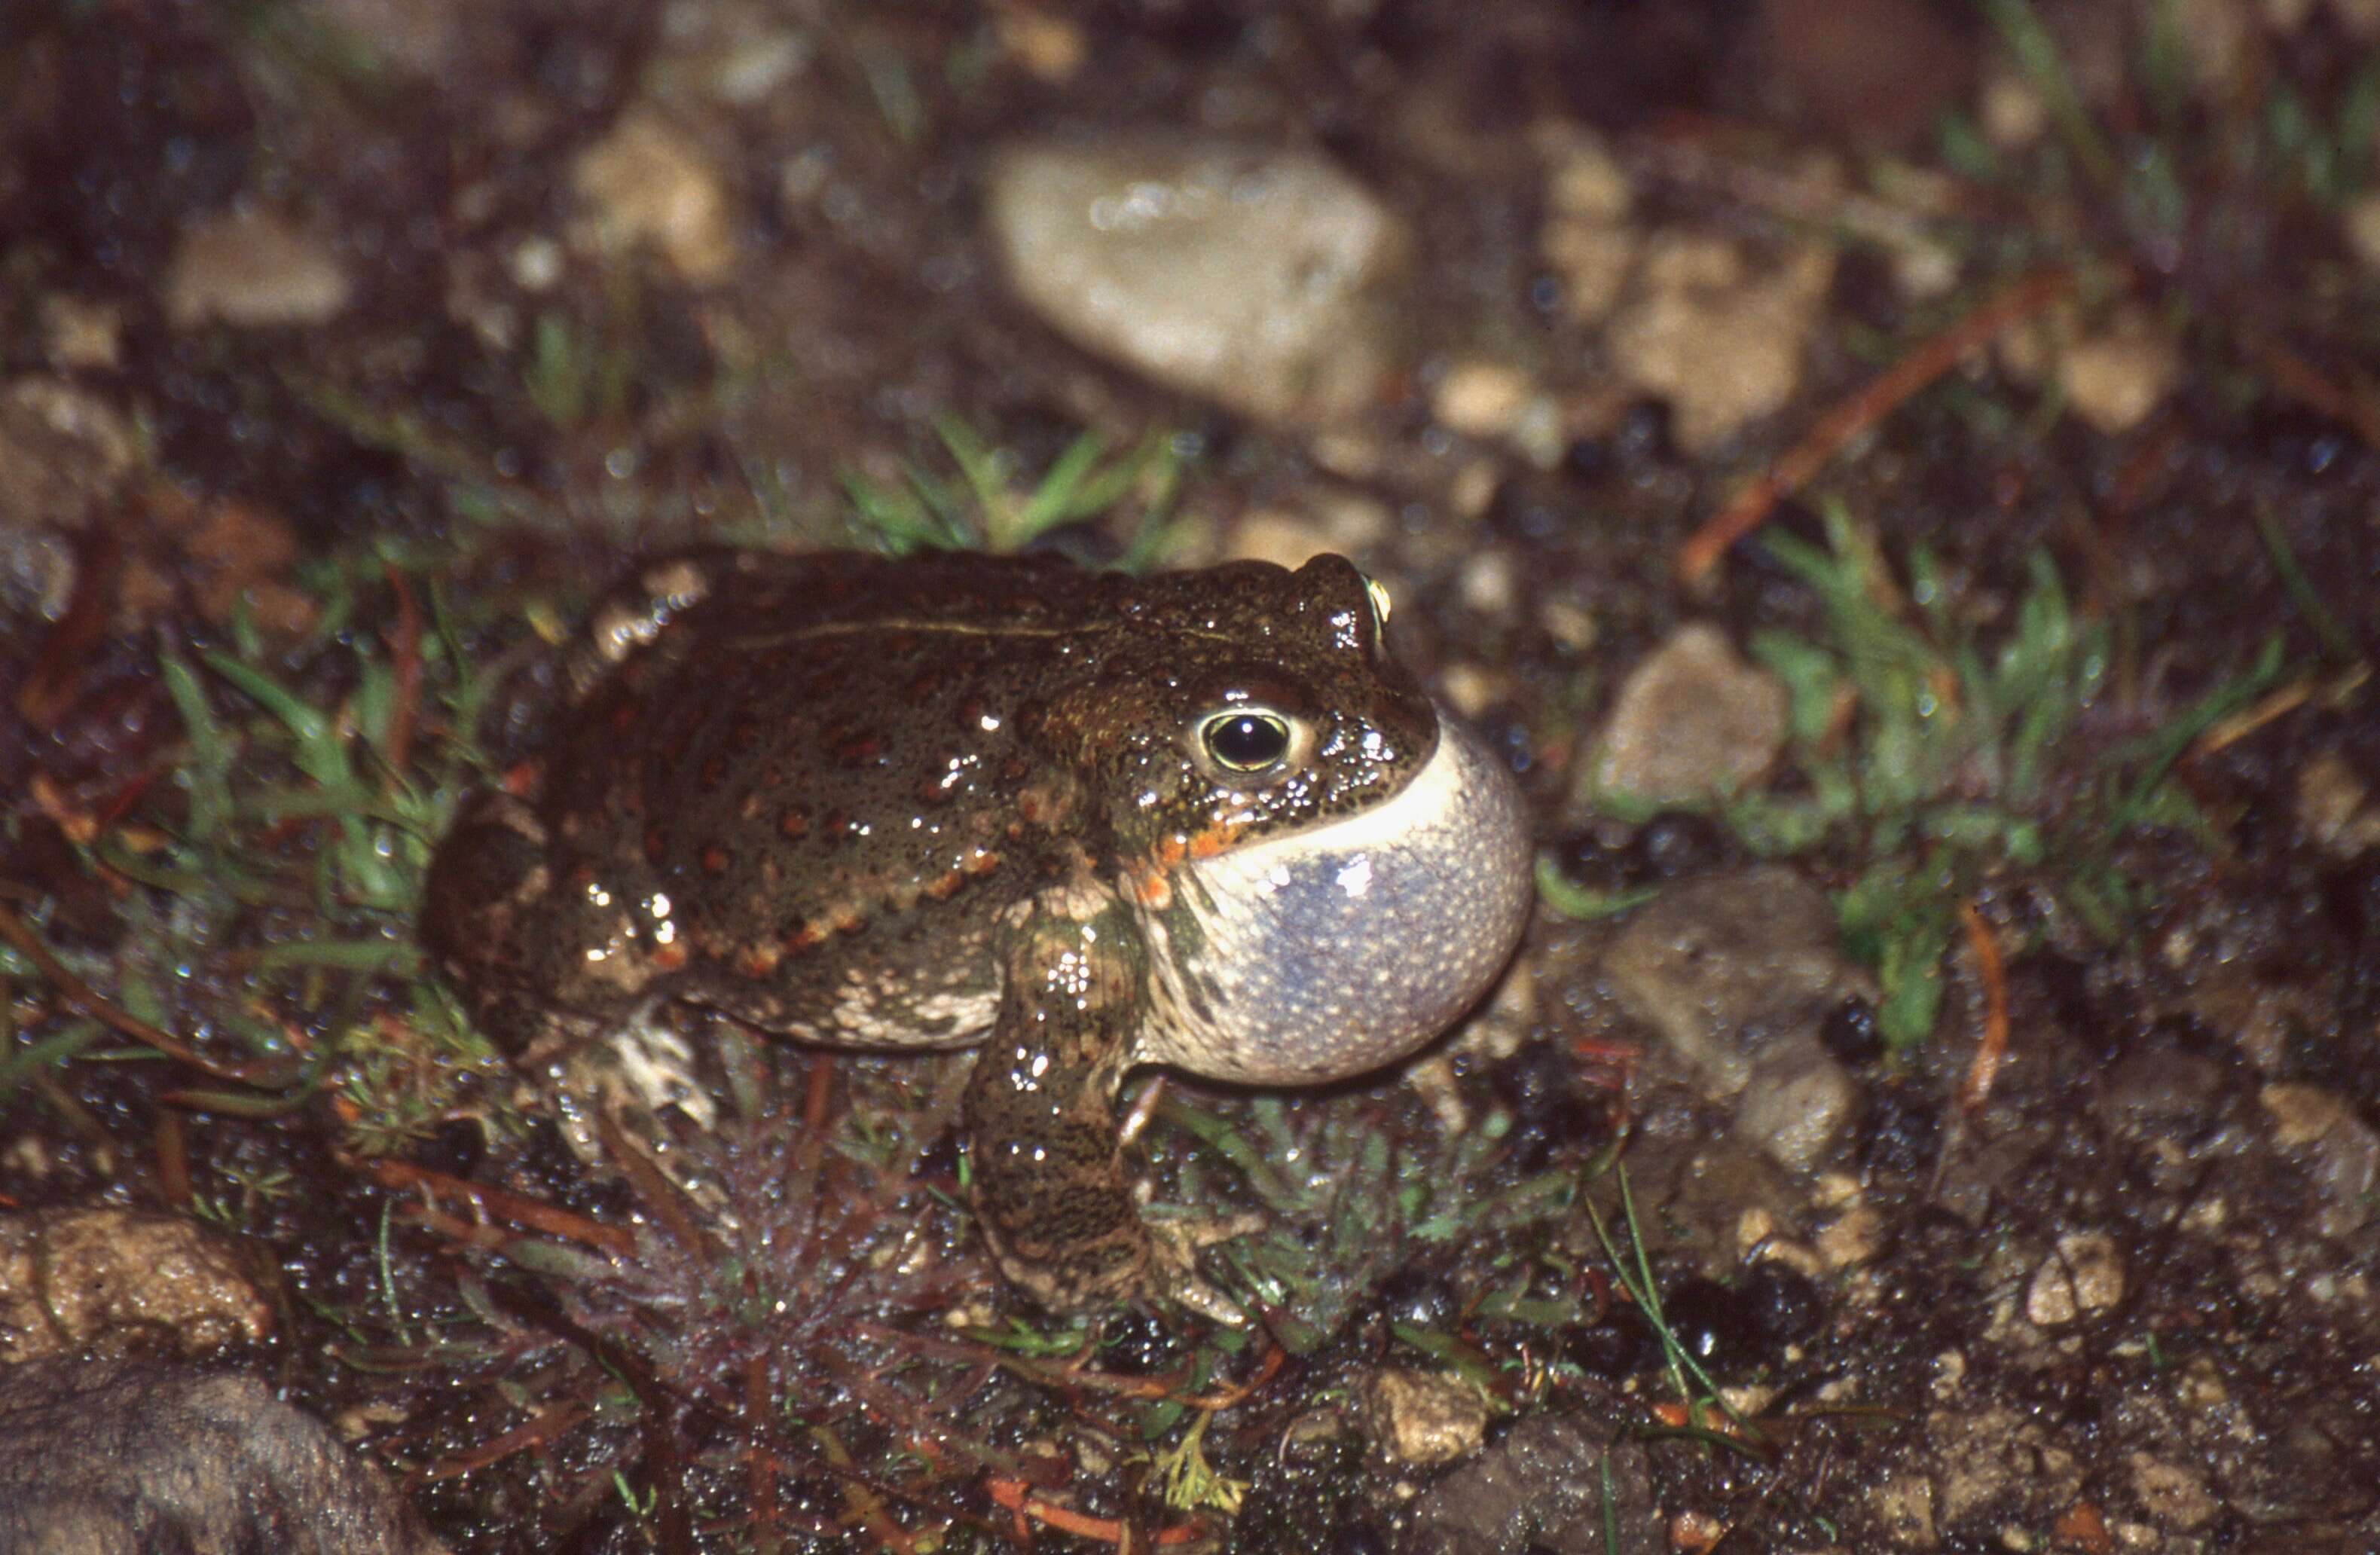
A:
1246	740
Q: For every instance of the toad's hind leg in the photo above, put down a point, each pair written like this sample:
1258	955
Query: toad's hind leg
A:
1050	1186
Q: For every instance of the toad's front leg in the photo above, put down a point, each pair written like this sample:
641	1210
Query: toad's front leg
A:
1050	1186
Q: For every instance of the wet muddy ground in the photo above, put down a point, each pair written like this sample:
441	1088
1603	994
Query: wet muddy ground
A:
1899	482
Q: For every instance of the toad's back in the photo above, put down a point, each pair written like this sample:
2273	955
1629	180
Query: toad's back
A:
797	789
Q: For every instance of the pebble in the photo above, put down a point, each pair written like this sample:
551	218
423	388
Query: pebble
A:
135	1455
1854	1237
1693	722
1482	400
2084	1276
645	184
253	269
2335	806
1424	1418
1903	1505
80	1279
1588	238
2172	1496
1714	963
2117	377
1262	280
1721	346
82	335
1797	1103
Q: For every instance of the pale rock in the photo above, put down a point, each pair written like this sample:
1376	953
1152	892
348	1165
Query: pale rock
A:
1587	181
253	269
646	185
79	336
1692	723
2334	805
1048	45
1853	1238
1903	1505
1594	258
1724	347
2117	377
76	1279
1482	400
2172	1496
2084	1276
2302	1114
1724	966
2013	115
1265	281
1424	1418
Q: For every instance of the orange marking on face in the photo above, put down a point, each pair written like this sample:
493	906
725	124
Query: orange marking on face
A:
981	863
1156	892
802	939
1212	841
715	859
794	821
942	887
760	961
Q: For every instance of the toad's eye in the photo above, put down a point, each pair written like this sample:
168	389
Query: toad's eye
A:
1245	741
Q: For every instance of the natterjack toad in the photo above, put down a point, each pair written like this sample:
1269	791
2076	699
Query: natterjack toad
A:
1085	821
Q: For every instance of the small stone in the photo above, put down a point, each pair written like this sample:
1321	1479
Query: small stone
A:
2116	377
2341	1152
1904	1507
1050	46
1723	347
1722	965
1587	181
2171	1496
749	71
80	335
1797	1103
645	184
536	264
253	269
65	451
2334	806
1482	400
1851	1239
75	1279
1471	690
2303	1114
1593	259
2085	1275
1262	280
122	1455
1693	721
1278	535
1489	583
1424	1418
2013	115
